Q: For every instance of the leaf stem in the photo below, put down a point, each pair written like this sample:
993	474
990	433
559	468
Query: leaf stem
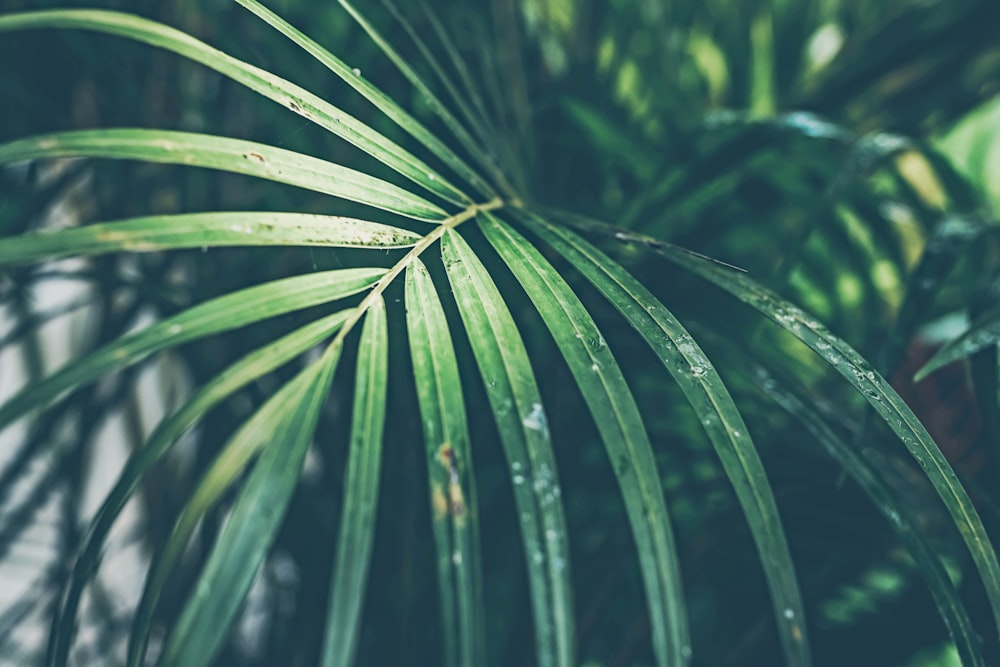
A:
421	245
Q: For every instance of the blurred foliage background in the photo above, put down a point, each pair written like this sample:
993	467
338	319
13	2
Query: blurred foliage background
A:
844	153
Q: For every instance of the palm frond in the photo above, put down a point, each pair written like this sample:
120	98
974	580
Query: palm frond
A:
506	328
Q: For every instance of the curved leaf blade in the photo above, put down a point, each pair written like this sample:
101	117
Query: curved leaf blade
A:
357	529
618	421
520	418
225	154
437	106
250	438
245	538
469	88
879	394
381	101
896	510
477	123
223	313
279	90
718	414
449	470
199	230
223	385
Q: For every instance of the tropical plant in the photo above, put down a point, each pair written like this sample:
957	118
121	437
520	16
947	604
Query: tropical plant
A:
610	328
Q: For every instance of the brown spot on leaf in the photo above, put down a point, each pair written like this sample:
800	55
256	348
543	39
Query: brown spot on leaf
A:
456	499
439	503
446	456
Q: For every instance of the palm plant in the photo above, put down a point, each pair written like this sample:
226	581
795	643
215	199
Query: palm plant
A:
516	273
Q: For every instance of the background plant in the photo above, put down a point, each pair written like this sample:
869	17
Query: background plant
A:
610	438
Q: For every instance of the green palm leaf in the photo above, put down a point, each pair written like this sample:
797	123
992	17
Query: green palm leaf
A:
385	104
222	386
895	509
261	81
439	108
223	313
361	484
520	418
289	421
253	437
716	411
983	333
618	420
234	155
880	396
851	208
200	230
449	470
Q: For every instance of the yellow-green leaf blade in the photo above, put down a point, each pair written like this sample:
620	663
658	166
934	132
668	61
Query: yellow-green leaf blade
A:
223	313
357	523
200	230
381	101
225	154
261	81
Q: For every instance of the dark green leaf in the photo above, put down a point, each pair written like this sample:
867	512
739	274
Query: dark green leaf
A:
983	333
520	418
902	519
449	470
719	416
618	420
357	524
879	394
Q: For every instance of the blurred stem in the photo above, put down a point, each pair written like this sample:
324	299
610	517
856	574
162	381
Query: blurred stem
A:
762	102
34	359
